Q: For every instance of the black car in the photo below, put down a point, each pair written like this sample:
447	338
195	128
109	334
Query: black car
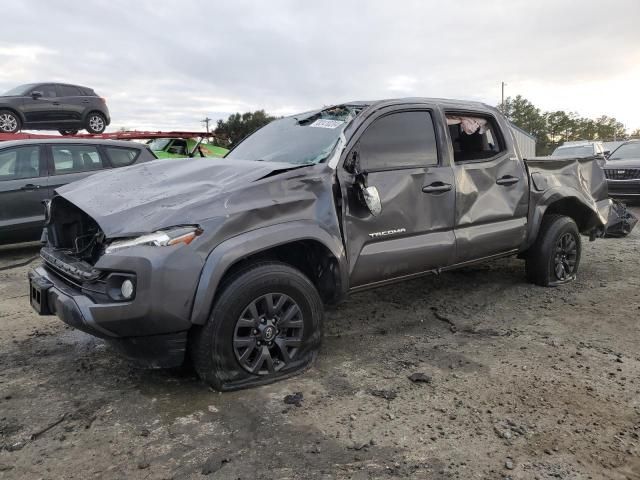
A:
623	171
53	106
30	170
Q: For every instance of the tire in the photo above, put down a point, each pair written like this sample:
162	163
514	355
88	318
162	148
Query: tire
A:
9	122
554	257
228	352
66	133
96	123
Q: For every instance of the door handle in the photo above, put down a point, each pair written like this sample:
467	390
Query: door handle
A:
30	186
85	101
507	180
437	187
55	103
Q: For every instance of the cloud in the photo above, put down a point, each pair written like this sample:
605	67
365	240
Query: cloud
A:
170	64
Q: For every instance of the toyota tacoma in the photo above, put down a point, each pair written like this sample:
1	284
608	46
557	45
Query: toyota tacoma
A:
229	261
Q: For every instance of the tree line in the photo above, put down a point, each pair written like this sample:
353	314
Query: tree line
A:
554	128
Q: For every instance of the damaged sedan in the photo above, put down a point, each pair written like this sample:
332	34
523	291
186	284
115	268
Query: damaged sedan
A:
229	261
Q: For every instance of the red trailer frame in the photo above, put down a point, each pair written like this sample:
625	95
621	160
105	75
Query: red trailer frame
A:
125	135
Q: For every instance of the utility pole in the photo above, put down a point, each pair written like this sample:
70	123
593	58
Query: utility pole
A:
206	121
502	102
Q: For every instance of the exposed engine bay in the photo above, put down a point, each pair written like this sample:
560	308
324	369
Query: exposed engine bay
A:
72	232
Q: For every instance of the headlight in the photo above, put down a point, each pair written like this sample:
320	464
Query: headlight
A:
162	238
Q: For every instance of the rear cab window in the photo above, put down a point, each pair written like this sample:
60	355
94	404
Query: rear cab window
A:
474	137
75	158
20	162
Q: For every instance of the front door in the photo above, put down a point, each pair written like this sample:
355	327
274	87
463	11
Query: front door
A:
23	187
400	153
44	110
492	187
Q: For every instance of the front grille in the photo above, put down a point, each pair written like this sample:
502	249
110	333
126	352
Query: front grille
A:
69	267
622	173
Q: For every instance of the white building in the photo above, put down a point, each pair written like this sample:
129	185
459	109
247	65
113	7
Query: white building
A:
526	142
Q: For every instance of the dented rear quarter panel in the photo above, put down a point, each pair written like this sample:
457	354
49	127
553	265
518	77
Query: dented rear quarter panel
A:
579	180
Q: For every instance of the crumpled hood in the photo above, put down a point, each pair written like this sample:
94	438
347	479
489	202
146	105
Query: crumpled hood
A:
163	193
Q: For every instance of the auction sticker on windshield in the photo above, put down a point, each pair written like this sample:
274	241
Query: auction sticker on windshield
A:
325	123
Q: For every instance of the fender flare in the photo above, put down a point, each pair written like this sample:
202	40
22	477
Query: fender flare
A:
233	249
554	195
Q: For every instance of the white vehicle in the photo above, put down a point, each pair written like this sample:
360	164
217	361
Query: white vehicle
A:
581	149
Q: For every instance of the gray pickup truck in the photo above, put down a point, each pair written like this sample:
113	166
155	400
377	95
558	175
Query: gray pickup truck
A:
231	260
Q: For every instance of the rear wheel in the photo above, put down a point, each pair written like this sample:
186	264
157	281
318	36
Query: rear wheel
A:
9	122
96	123
265	325
555	256
66	133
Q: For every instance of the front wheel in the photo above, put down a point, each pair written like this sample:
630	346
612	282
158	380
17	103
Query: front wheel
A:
554	257
265	325
9	122
96	123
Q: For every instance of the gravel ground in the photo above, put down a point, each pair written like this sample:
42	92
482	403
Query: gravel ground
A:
517	382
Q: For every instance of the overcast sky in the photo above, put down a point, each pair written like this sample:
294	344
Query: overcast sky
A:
166	65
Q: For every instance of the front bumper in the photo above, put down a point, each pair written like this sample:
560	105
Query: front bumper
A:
624	188
130	327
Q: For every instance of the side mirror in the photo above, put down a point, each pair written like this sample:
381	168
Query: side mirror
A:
606	153
367	195
371	199
36	94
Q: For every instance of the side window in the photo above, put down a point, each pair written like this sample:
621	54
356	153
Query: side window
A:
20	162
474	138
399	140
121	157
68	91
75	158
48	91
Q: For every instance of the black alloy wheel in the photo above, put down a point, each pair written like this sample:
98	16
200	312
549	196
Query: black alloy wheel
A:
268	334
566	256
265	325
554	257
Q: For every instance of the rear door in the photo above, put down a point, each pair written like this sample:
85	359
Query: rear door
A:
72	162
492	188
400	150
23	187
72	104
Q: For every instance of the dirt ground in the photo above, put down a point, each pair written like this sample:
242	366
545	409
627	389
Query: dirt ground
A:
522	382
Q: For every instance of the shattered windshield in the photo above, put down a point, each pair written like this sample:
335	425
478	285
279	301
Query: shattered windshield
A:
302	139
577	151
626	150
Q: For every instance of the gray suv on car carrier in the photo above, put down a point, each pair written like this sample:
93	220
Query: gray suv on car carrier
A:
53	106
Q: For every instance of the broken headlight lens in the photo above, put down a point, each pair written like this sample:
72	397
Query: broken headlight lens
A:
161	238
